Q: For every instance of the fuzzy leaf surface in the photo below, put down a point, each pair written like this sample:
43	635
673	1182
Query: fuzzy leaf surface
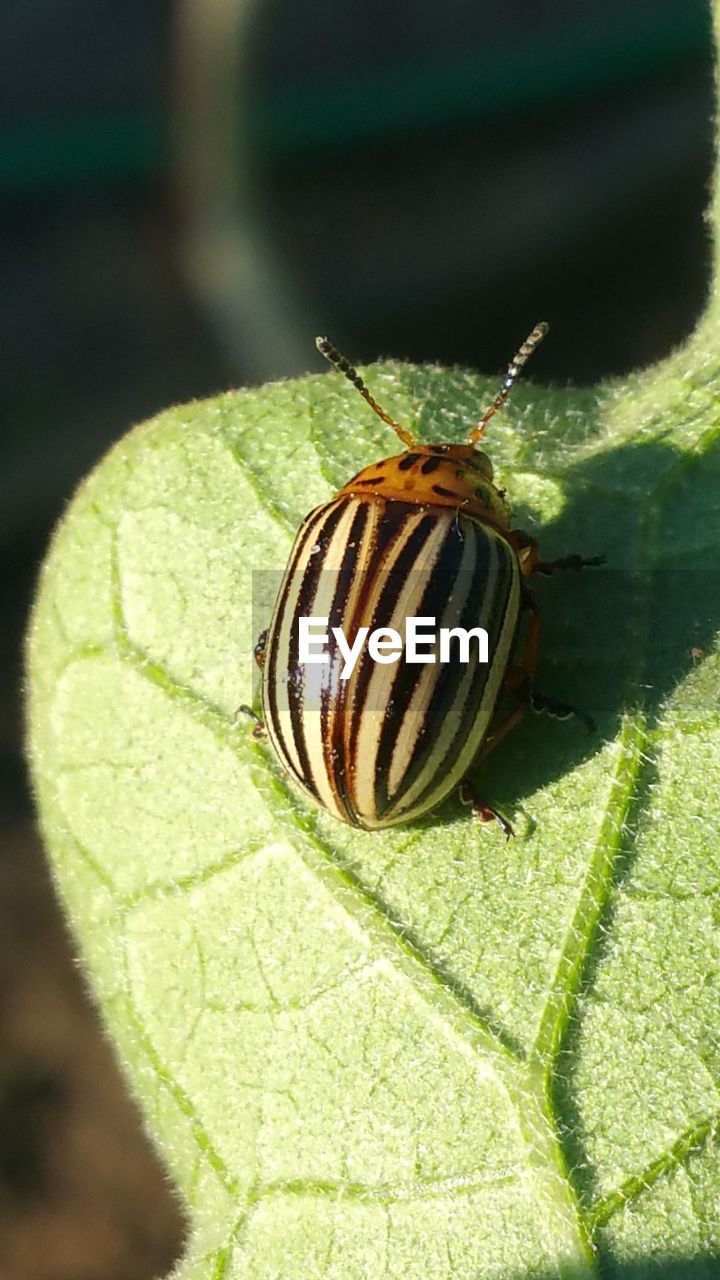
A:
422	1054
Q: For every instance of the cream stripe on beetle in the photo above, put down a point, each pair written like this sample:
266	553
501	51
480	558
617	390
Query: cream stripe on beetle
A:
368	709
277	667
414	719
344	610
466	686
416	715
430	585
425	533
319	678
501	602
470	745
297	597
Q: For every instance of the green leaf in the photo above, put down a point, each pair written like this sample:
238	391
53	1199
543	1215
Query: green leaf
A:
422	1053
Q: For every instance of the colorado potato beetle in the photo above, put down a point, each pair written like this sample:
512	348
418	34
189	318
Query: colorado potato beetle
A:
424	535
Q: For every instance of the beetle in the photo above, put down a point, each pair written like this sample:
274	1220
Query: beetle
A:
425	533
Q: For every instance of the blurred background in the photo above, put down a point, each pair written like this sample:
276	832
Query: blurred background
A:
189	192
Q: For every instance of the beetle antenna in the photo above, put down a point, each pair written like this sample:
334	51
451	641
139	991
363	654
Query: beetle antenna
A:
339	362
521	357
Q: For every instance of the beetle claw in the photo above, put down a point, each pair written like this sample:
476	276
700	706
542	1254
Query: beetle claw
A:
483	811
258	726
539	703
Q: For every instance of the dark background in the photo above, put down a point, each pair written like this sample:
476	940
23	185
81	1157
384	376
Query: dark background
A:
188	194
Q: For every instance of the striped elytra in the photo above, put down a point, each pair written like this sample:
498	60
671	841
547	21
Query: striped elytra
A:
423	534
390	741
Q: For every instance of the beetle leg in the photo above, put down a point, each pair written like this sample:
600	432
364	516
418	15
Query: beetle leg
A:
526	547
499	730
520	682
574	562
482	810
259	650
528	552
539	702
520	678
258	726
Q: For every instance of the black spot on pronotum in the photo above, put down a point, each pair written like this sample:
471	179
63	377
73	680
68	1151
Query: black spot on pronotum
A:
430	465
408	461
443	493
